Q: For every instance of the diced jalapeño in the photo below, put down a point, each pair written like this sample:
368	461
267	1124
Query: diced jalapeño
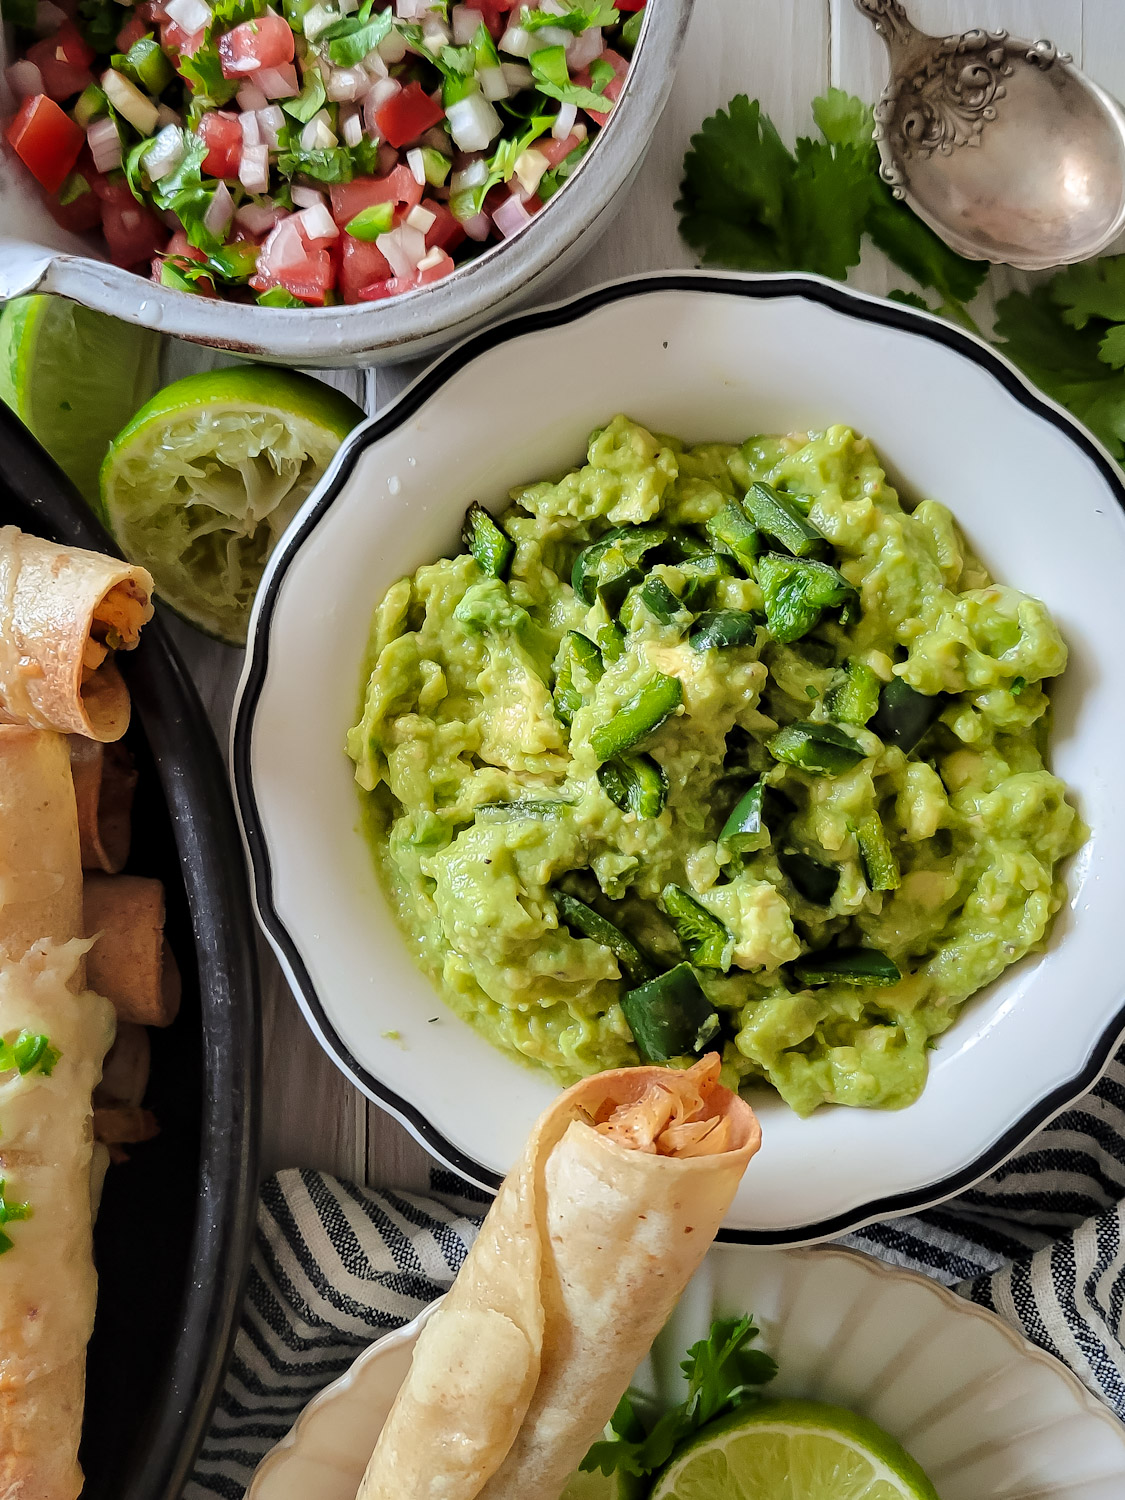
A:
490	545
635	720
670	1016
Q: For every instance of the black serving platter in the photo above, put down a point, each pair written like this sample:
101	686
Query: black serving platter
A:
173	1235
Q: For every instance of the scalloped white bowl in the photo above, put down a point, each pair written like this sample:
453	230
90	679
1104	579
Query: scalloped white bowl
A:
702	356
987	1414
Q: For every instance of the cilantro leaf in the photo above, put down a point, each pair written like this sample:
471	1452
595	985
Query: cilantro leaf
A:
844	120
1094	289
203	74
723	1373
330	164
548	66
309	101
578	18
916	249
830	198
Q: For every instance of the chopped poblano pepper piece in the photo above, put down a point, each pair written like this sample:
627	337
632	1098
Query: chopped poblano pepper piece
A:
855	966
815	881
703	937
371	222
734	532
853	694
701	573
660	601
718	628
638	718
146	63
632	542
670	1016
277	296
611	641
90	105
491	547
905	715
822	749
580	667
585	922
616	576
796	591
745	829
880	867
634	783
780	517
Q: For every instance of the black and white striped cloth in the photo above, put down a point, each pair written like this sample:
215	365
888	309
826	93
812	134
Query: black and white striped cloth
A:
335	1266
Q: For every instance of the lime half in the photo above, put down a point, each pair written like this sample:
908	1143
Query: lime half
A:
598	1486
74	377
793	1450
203	481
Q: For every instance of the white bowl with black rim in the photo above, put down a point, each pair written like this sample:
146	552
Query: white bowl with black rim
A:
706	357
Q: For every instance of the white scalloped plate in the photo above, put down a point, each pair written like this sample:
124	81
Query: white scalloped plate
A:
988	1415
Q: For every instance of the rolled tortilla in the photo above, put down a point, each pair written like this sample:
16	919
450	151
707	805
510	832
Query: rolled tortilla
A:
130	962
40	869
63	615
589	1244
104	781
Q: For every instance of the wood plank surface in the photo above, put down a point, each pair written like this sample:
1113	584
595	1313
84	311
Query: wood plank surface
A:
783	52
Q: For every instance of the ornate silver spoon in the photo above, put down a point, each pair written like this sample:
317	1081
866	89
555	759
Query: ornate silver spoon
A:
1005	148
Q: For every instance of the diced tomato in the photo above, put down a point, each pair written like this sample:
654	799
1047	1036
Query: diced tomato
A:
80	215
405	116
399	187
151	10
445	232
435	272
629	4
495	14
361	263
612	90
179	246
264	43
394	286
132	231
555	151
304	268
132	31
222	135
63	61
178	42
46	140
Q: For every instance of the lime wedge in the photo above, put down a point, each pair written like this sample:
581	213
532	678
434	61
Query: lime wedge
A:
203	481
598	1486
793	1450
74	377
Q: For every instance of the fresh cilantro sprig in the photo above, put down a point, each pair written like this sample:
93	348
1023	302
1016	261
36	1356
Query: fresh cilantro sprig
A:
750	203
723	1373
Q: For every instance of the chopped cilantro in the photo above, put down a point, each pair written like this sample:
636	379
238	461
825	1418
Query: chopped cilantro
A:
277	296
548	67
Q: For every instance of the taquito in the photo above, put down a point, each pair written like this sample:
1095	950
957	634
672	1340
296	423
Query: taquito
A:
47	1281
64	613
590	1242
130	961
104	781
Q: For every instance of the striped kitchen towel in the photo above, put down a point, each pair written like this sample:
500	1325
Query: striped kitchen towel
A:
335	1266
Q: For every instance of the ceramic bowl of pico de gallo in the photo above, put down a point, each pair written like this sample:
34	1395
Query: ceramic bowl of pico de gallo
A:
319	181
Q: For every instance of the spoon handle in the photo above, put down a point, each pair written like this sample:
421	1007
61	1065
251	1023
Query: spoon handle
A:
892	23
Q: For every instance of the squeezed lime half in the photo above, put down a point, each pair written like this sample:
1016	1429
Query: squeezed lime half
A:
200	485
74	377
793	1450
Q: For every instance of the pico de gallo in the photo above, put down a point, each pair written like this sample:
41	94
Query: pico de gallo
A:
313	151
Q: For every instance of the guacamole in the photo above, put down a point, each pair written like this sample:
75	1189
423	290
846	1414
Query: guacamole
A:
715	748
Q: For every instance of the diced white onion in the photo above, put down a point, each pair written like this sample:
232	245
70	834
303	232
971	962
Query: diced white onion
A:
421	219
586	46
104	144
189	15
166	115
351	127
519	43
250	97
580	131
529	168
284	249
435	35
271	122
417	164
251	130
412	10
403	248
553	7
374	65
128	100
278	83
510	217
258	218
493	84
466	23
564	121
479	227
254	169
24	79
317	223
346	7
473	174
345	85
306	197
550	36
473	122
165	154
382	90
392	48
317	134
317	19
519	76
48	18
220	211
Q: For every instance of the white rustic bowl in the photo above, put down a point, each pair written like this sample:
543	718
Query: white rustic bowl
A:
987	1415
35	255
701	356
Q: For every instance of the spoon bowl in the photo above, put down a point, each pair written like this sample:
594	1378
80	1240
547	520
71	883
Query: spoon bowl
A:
1005	148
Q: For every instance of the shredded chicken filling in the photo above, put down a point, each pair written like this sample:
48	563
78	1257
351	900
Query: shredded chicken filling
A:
675	1116
116	625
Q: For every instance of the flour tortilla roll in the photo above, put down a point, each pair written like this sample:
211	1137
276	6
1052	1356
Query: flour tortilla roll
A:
592	1238
130	962
104	781
63	615
40	871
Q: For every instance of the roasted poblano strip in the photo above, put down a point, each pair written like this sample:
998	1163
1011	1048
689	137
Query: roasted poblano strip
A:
634	783
797	591
732	531
905	715
861	967
635	720
717	628
670	1016
822	749
780	517
815	881
703	937
491	546
880	867
585	922
580	667
853	694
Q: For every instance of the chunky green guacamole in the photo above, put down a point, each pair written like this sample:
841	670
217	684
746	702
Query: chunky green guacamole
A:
771	780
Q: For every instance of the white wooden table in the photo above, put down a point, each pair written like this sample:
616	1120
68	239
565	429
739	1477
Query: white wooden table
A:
783	52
